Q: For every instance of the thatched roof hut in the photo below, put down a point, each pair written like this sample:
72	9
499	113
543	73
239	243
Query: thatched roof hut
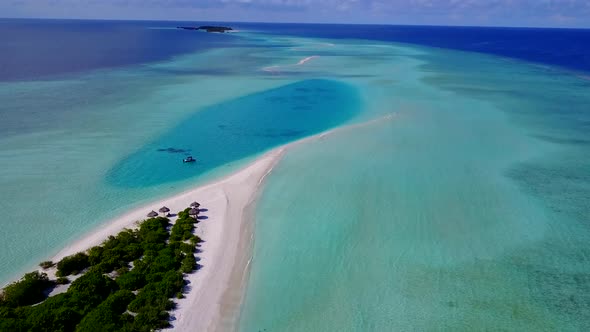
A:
152	214
193	212
195	204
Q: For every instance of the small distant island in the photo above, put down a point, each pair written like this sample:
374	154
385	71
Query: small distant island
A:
208	28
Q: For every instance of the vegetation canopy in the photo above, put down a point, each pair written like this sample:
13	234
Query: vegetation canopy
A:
128	283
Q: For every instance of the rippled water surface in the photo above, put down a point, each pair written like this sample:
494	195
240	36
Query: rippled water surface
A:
453	196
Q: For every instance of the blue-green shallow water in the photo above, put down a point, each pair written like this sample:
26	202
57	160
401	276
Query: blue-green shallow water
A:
63	139
469	211
239	128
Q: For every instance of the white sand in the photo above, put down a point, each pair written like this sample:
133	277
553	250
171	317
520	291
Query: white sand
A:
309	58
225	201
214	302
216	288
276	69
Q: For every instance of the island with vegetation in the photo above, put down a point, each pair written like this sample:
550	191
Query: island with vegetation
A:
208	28
125	284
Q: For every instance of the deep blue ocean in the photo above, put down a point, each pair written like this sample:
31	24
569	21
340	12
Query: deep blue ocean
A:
568	48
33	49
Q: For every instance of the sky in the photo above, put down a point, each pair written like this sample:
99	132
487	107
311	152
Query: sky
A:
530	13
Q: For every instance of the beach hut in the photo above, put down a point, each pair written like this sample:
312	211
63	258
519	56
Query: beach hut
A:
193	212
164	210
152	214
195	205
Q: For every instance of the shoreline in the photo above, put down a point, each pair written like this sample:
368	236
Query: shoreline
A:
223	246
235	290
225	200
216	289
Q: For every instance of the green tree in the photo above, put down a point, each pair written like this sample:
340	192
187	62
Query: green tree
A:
131	280
188	264
29	290
57	313
96	302
72	264
107	316
90	290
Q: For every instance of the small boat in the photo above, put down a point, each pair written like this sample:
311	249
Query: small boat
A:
189	159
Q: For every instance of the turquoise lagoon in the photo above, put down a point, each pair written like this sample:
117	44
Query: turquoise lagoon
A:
77	150
66	141
455	197
467	211
238	129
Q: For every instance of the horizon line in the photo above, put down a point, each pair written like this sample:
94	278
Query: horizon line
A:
302	23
